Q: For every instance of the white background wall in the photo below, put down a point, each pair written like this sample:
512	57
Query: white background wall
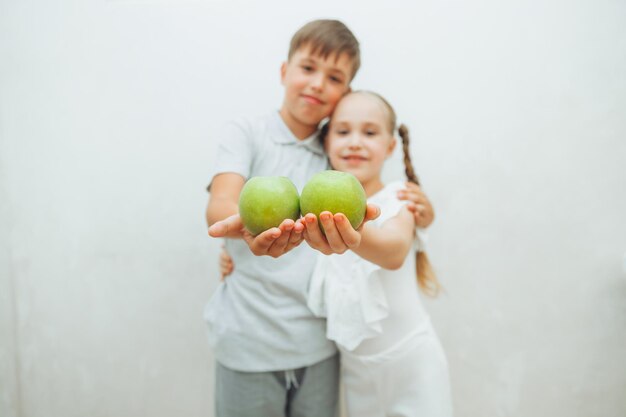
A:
107	109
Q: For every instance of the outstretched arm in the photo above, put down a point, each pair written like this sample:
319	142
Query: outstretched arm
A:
223	218
389	244
223	201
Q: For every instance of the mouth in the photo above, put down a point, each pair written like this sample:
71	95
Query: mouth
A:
312	100
354	158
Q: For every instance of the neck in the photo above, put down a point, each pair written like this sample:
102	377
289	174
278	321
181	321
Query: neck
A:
372	187
300	130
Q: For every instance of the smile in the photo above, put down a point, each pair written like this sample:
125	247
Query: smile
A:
312	100
354	158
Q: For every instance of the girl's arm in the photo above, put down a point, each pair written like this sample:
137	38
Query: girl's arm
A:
388	245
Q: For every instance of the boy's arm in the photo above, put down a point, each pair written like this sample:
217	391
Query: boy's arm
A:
222	215
223	200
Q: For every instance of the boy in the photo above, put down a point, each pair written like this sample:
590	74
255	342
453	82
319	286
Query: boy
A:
272	354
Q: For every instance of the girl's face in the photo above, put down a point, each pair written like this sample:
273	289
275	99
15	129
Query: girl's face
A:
359	139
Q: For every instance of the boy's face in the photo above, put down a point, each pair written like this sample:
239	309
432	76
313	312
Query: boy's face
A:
313	86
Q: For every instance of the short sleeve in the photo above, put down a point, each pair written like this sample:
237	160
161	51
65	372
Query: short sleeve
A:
235	150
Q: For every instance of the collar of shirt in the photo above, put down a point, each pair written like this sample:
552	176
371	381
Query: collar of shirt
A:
288	138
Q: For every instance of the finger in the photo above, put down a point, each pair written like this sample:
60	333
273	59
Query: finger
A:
333	236
313	234
408	195
260	244
297	235
411	186
299	226
229	226
280	244
350	237
224	273
420	216
294	242
372	212
224	265
224	256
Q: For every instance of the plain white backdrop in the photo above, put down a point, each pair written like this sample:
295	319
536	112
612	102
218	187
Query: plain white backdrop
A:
107	115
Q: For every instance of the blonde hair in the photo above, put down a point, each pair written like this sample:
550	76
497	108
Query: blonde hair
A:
326	37
426	278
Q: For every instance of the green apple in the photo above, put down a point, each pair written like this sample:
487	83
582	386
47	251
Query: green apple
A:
265	202
337	192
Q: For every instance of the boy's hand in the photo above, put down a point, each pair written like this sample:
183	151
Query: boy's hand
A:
340	236
226	264
273	242
276	241
418	204
229	227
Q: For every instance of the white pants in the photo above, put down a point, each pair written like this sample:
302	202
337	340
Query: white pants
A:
409	380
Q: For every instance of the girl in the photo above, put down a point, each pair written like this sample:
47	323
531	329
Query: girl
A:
392	363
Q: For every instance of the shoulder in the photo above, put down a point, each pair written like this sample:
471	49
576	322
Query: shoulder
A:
389	193
394	186
387	200
248	123
248	130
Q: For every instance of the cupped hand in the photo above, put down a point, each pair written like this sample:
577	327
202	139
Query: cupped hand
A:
273	242
339	235
276	241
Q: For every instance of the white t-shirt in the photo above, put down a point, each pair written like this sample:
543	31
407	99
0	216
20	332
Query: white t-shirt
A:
369	309
258	317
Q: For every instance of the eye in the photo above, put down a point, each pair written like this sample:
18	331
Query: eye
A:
371	132
341	132
336	79
307	68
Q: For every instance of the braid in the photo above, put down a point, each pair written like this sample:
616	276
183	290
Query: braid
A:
403	131
426	278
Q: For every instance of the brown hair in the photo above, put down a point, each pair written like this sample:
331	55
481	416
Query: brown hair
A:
327	37
426	278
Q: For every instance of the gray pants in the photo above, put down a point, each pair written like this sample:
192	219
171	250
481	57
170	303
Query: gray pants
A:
305	392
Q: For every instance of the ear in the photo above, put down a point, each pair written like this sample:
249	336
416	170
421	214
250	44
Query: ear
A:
283	71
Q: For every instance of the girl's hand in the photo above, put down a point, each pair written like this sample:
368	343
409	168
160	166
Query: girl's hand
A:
418	204
339	234
226	264
273	242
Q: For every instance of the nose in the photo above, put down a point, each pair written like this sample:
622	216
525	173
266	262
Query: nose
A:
317	81
354	141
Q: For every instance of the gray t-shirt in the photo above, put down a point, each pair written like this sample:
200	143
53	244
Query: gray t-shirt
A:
258	317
